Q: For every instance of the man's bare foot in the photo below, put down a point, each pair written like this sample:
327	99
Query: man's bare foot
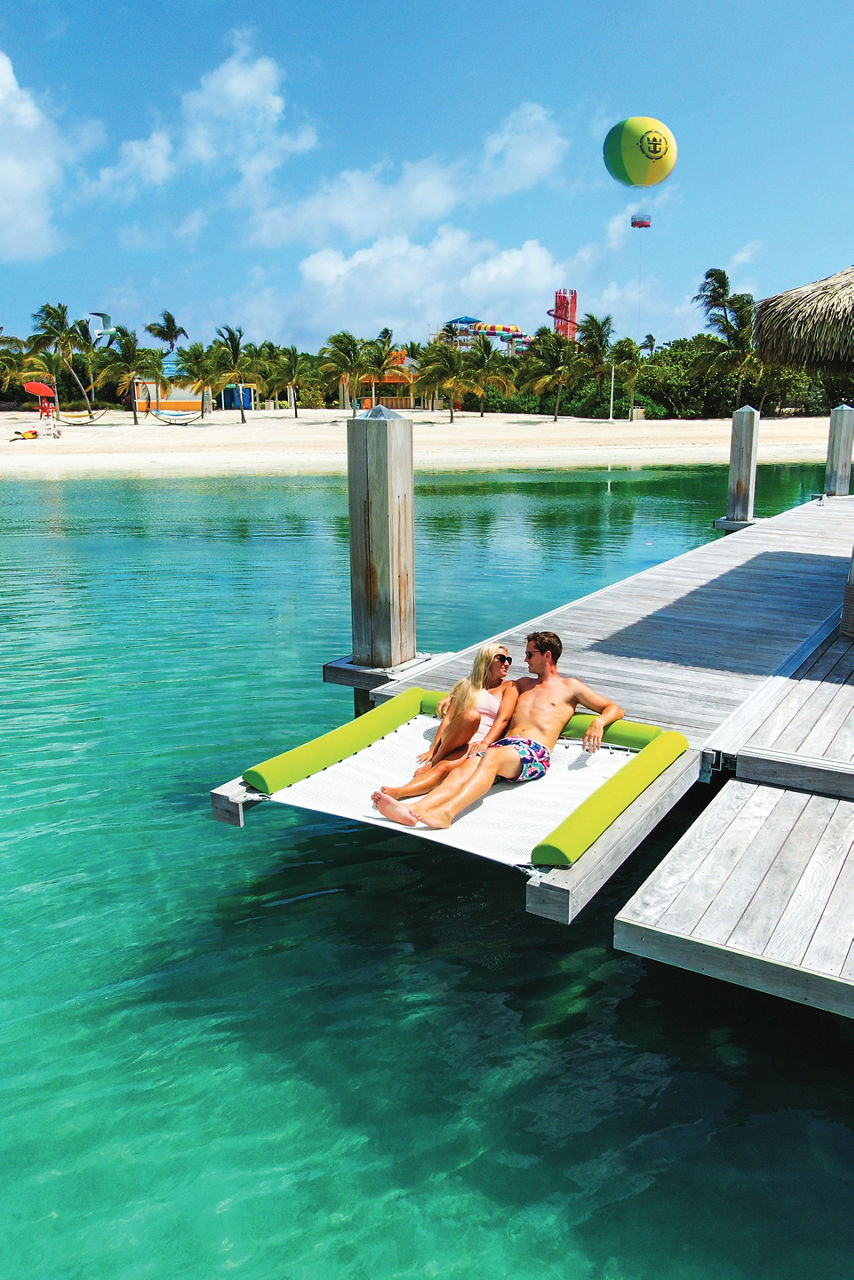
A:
391	791
394	810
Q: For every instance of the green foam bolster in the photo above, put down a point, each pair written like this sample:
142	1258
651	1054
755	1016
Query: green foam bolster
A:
430	700
338	744
623	733
594	815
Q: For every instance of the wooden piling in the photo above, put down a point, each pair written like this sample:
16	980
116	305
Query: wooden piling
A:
744	449
382	539
837	477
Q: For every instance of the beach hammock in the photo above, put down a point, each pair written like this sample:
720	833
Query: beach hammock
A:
544	824
177	418
71	417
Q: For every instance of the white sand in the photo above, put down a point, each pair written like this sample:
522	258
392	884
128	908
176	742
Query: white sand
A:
275	443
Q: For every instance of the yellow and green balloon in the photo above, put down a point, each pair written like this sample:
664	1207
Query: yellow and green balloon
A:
640	151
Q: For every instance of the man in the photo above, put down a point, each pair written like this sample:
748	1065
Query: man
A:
546	702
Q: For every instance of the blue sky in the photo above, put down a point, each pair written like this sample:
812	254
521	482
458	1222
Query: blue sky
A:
297	168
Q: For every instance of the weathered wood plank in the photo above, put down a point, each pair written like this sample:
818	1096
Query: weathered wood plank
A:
796	927
830	944
688	907
560	894
776	768
729	906
764	911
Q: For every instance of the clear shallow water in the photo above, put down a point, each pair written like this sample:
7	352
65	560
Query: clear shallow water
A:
311	1050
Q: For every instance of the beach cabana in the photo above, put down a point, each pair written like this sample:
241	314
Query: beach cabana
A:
810	327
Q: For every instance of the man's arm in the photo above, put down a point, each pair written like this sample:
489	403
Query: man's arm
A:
607	713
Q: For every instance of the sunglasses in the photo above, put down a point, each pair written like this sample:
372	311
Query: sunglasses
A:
530	653
505	658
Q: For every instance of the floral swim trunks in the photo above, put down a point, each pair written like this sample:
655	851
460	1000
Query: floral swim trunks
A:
535	758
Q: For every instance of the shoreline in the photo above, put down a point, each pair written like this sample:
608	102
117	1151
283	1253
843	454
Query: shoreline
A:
273	442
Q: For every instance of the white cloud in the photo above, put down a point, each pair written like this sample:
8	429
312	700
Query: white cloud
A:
744	255
522	152
31	161
191	227
237	117
410	286
233	122
143	162
362	204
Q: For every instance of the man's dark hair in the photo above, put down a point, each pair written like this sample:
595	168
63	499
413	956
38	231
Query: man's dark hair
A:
547	642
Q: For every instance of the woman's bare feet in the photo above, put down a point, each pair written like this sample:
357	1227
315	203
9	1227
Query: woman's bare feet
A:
393	809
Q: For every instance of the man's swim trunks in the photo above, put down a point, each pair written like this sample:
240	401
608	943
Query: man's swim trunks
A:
535	758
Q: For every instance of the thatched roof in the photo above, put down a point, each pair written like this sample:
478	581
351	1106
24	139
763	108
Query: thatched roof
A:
811	326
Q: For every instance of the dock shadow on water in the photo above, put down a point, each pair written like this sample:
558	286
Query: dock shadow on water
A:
310	1049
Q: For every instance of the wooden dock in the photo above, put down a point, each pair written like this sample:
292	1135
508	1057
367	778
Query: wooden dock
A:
760	891
687	644
736	645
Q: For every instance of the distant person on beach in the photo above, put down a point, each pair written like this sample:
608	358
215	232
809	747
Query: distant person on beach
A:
547	700
474	715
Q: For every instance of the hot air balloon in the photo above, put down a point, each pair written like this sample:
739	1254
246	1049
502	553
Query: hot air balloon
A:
640	151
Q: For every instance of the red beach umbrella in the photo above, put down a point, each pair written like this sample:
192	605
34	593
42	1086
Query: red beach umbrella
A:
39	389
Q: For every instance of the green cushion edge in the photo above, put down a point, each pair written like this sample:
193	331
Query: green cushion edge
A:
296	764
594	815
623	733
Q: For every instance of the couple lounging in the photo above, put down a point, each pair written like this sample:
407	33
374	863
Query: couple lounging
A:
495	728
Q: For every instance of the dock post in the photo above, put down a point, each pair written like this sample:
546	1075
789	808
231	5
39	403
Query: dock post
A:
837	477
744	448
382	541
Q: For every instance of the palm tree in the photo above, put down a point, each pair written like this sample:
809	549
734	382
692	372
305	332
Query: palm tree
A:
714	297
195	369
551	363
286	367
126	363
626	357
53	331
167	330
648	344
381	360
594	344
232	362
443	370
488	368
341	359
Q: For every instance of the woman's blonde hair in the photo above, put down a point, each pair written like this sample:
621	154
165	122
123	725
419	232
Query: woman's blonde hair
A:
465	692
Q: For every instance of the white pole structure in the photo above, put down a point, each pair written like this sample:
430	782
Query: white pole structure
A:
837	477
743	454
611	409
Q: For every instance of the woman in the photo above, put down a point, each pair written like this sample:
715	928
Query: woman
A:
475	714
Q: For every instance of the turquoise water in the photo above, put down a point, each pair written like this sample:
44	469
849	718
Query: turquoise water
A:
307	1049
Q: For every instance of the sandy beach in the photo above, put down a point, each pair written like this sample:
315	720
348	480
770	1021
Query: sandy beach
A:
275	443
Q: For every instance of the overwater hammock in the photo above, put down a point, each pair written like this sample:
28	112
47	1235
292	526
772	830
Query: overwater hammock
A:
548	823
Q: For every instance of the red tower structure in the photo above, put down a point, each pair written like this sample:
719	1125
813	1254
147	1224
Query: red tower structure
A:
564	313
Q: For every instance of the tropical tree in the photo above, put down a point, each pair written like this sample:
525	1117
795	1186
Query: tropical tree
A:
648	344
443	369
341	360
487	367
53	331
626	358
380	360
125	363
285	368
551	363
167	330
232	362
730	318
594	344
195	369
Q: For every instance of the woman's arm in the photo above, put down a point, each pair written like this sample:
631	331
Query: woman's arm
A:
509	697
